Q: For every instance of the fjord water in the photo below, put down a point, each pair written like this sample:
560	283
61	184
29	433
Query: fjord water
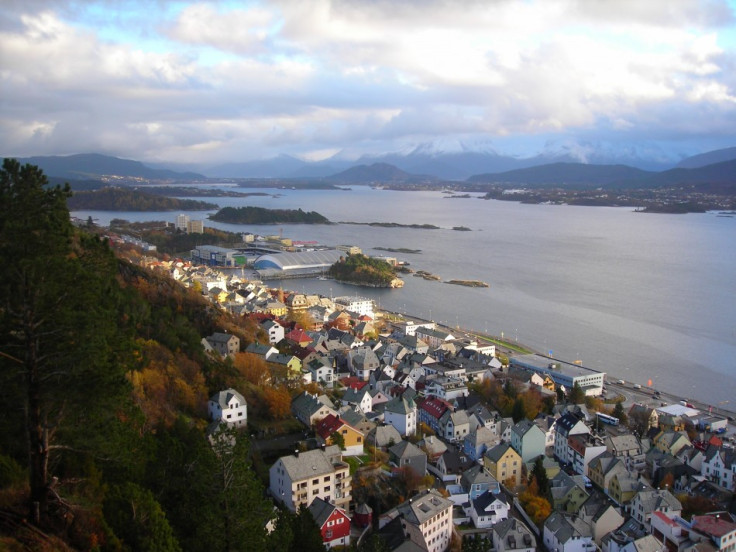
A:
639	296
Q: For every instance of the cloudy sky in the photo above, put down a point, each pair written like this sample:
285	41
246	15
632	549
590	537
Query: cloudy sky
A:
213	81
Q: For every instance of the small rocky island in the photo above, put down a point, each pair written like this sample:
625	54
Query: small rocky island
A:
361	270
468	283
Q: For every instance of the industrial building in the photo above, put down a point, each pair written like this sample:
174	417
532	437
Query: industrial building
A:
563	373
302	263
216	256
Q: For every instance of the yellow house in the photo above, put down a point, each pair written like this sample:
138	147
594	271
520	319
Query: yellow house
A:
623	488
503	463
671	441
352	438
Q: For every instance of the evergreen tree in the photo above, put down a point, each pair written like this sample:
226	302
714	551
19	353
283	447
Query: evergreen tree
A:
620	413
576	395
138	520
307	537
61	373
540	475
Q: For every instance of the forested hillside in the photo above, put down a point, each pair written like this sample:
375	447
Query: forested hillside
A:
104	383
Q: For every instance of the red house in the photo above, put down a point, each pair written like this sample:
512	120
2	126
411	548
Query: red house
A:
333	523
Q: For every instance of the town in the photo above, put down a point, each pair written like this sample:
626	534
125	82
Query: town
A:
423	437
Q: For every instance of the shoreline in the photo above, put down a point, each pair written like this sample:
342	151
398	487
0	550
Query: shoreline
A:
643	395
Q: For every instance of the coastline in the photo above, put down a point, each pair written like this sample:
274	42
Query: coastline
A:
643	395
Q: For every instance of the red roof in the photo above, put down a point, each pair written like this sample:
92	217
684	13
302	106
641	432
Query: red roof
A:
354	383
713	525
328	426
434	407
298	336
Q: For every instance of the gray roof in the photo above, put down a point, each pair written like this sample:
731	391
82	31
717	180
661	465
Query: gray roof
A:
321	511
307	464
498	451
223	397
423	506
405	449
383	435
510	529
567	527
522	427
400	405
654	500
482	502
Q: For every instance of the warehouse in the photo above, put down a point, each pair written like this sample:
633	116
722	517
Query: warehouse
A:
563	373
305	263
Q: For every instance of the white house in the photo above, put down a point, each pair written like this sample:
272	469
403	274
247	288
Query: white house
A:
402	414
228	406
488	509
274	330
566	533
426	520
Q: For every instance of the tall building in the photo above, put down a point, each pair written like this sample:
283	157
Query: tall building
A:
181	222
195	227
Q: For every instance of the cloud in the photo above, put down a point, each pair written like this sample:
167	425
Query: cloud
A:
206	81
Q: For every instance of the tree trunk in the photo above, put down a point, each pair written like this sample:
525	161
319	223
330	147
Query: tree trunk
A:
38	448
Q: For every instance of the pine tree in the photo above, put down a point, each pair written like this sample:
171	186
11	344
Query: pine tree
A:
62	374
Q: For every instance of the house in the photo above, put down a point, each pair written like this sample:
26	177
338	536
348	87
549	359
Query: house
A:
582	449
264	351
402	414
719	529
567	426
309	409
503	463
624	487
511	535
362	361
274	330
430	412
568	492
406	454
647	502
351	437
488	509
477	442
333	523
647	543
600	514
644	416
476	481
296	480
323	371
228	406
602	469
671	441
451	465
383	436
567	533
455	426
359	397
719	466
626	445
224	343
425	519
528	440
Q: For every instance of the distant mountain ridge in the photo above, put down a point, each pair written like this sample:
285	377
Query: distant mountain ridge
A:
377	172
708	158
86	166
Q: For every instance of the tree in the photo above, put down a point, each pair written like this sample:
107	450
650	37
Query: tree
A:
576	395
336	438
138	519
307	536
539	475
620	413
244	511
62	372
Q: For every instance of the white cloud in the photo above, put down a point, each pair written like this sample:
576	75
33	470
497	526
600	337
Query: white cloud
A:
206	81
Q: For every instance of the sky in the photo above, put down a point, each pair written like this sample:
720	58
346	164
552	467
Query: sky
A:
214	82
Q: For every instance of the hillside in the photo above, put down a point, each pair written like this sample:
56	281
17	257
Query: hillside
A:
126	199
375	173
260	215
90	165
708	158
572	175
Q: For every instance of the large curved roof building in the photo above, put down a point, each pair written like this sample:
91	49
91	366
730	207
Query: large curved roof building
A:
303	262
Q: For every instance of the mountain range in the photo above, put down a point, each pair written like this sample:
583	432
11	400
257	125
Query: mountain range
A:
715	169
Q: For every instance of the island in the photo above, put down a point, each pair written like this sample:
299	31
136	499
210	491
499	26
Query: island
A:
126	199
365	271
468	283
261	215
